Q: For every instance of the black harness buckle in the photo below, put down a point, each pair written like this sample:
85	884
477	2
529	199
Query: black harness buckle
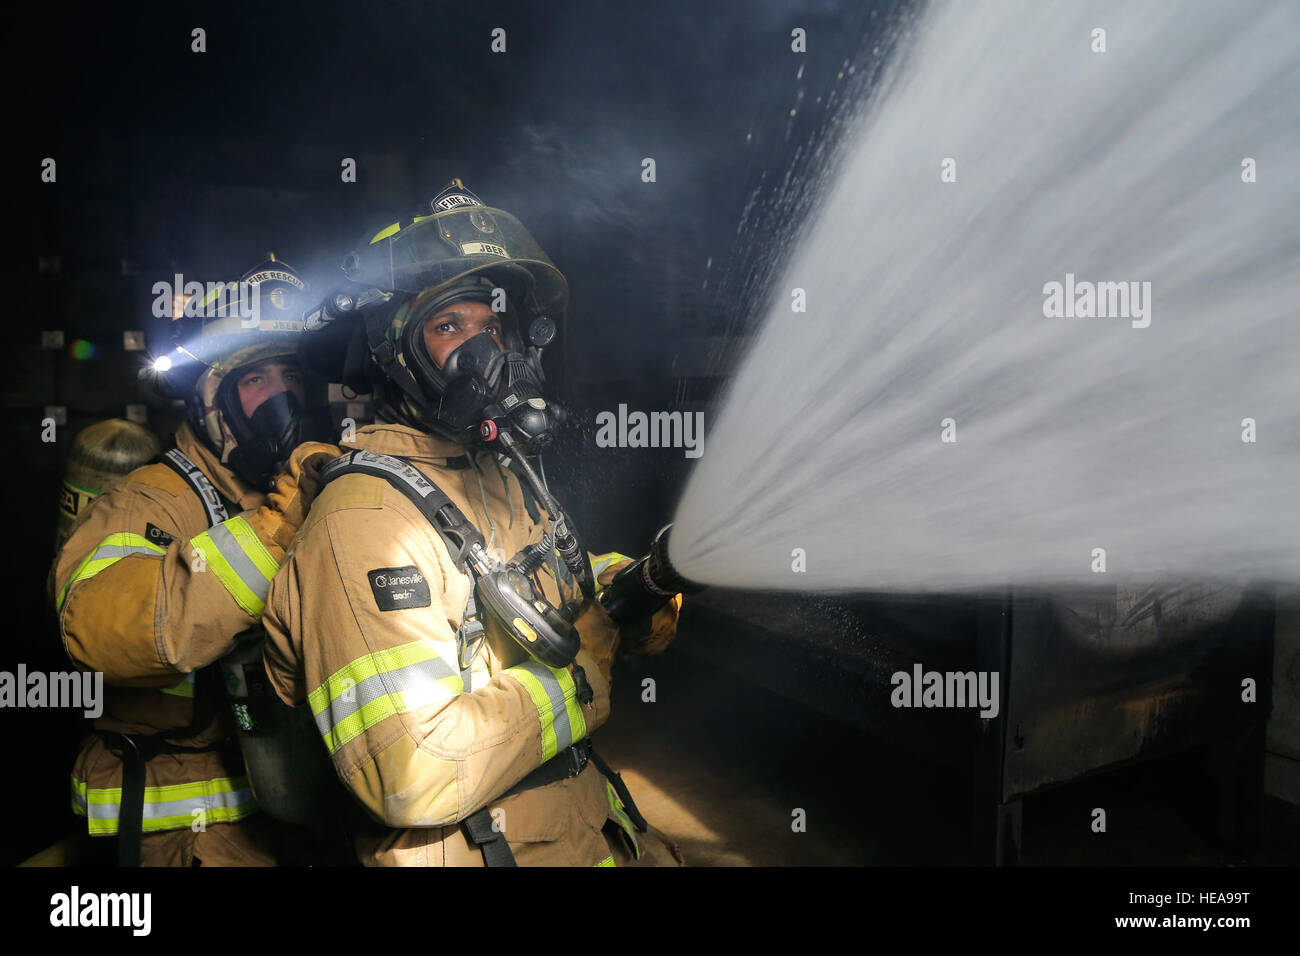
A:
579	754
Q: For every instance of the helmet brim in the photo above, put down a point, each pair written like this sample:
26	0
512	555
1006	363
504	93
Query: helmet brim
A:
476	240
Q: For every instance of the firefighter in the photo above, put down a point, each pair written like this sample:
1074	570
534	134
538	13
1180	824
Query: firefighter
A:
163	574
461	746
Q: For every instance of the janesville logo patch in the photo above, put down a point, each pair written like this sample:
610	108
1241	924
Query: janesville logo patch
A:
156	535
397	588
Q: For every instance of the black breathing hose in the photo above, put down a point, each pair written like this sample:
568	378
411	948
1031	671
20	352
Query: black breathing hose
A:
566	542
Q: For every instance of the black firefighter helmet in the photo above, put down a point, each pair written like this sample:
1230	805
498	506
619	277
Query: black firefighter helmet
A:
457	248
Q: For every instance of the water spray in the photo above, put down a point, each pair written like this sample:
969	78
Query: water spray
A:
1047	297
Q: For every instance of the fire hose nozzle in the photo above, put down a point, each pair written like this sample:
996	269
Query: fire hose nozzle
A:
646	585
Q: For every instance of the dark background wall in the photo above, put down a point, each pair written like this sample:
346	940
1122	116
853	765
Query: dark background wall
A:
174	161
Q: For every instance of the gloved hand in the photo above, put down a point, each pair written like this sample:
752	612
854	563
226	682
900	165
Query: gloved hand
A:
599	636
655	634
652	635
286	507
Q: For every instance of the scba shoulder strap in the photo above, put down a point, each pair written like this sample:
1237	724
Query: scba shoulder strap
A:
215	506
440	511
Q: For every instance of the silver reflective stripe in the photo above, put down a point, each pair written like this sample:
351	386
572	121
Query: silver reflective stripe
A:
559	712
240	563
418	682
168	808
122	551
212	801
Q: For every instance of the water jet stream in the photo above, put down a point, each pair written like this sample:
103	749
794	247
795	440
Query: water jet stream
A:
926	301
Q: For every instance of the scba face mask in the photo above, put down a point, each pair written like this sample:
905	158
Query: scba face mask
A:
273	431
485	383
480	382
265	440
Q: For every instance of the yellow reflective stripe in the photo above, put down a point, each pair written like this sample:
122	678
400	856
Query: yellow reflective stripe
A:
172	807
253	547
577	722
236	555
184	689
542	701
396	228
608	861
385	233
163	794
602	561
380	685
108	552
380	662
216	290
553	693
616	808
362	719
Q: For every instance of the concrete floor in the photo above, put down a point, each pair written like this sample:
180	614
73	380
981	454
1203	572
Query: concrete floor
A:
720	765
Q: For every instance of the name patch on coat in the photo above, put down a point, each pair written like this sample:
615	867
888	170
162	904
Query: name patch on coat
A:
397	588
156	535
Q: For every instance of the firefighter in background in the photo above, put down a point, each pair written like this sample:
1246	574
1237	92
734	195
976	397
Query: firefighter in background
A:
462	748
161	575
102	454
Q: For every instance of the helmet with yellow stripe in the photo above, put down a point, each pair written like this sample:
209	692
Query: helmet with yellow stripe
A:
458	237
232	330
456	250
